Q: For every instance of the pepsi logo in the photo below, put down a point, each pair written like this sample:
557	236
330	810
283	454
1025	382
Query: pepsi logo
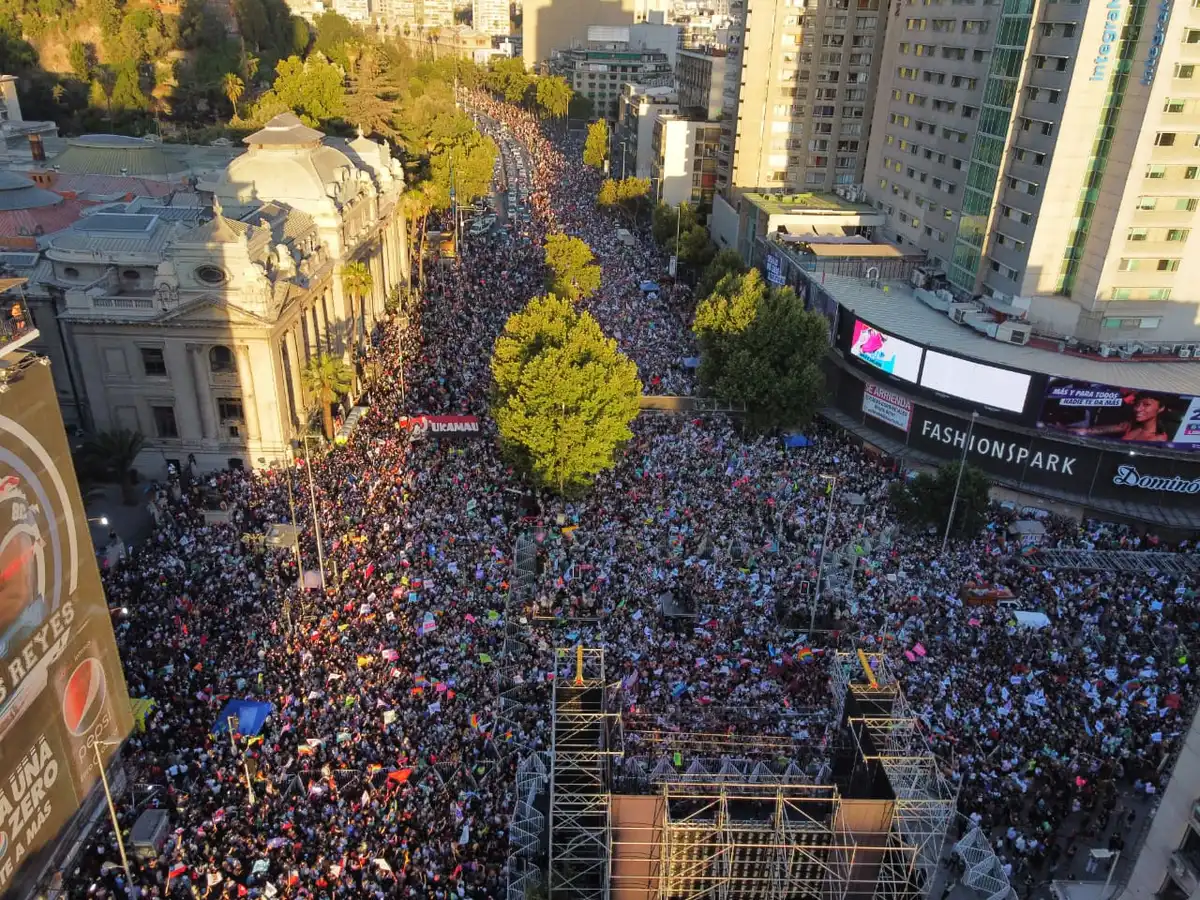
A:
83	699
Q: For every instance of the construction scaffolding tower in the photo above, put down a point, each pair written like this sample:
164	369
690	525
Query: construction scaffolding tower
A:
513	690
884	731
585	735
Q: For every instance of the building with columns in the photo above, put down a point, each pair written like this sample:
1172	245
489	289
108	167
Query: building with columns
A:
192	322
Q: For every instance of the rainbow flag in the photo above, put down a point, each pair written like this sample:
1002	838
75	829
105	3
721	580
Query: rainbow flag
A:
804	654
474	721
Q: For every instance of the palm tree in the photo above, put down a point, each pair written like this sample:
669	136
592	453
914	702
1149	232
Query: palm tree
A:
326	378
417	206
233	87
357	282
111	454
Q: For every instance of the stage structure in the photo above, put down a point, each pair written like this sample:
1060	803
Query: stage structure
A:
586	736
848	803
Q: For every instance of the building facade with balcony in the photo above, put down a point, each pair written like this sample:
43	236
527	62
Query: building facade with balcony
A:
700	78
195	329
1049	151
637	112
684	161
597	69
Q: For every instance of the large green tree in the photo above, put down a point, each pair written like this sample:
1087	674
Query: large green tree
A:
312	88
464	164
565	395
554	95
507	77
595	148
926	499
760	347
571	269
626	195
726	262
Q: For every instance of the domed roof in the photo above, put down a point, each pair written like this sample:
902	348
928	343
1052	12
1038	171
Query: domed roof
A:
286	162
113	154
18	192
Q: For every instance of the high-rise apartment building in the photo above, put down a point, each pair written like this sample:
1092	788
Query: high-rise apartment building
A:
1048	150
804	96
549	25
490	17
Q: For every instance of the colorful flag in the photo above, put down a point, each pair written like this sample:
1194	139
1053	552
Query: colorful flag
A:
804	654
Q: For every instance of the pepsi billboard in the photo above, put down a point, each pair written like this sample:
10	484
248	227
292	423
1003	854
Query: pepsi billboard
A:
62	693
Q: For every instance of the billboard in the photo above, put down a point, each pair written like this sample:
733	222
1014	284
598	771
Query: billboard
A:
1108	412
887	406
966	380
886	353
420	426
1016	457
62	692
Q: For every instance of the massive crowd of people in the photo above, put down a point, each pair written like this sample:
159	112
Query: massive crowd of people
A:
385	768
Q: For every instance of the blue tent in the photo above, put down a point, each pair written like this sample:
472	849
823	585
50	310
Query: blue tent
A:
251	716
796	440
648	286
691	362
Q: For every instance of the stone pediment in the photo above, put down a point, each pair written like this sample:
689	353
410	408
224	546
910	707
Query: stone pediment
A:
210	312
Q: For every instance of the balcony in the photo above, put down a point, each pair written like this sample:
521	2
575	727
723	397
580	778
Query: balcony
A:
16	324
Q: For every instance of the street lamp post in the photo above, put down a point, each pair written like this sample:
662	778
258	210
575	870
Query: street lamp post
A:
112	811
245	765
962	464
812	617
312	496
623	160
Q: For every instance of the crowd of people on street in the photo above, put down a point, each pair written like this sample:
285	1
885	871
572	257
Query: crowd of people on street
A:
386	767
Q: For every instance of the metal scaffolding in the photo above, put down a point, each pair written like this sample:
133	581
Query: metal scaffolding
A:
585	735
514	692
1137	561
528	825
749	841
984	872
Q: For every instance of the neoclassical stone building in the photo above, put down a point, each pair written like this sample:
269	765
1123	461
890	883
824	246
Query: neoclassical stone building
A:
191	318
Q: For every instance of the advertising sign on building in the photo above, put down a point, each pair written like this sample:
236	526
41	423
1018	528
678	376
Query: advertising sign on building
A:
885	352
62	694
887	406
1016	457
1108	412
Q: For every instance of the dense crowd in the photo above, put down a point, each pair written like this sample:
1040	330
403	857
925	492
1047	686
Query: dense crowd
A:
385	768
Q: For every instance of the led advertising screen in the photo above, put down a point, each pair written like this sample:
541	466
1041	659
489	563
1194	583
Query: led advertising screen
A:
1105	411
62	692
884	352
989	385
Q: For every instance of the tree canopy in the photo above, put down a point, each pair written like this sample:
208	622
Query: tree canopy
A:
760	347
925	500
571	269
554	95
565	395
726	262
626	195
595	149
506	76
312	88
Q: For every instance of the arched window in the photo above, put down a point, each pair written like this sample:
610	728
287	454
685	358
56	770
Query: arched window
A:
220	359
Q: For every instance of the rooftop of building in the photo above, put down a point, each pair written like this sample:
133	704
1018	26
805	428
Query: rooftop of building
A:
894	308
122	156
796	204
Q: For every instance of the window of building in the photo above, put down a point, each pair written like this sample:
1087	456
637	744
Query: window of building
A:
1165	139
220	359
1185	204
914	24
1167	265
1156	171
1173	106
1191	35
1184	70
975	26
164	421
229	409
153	361
1191	172
943	26
1177	235
1137	234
